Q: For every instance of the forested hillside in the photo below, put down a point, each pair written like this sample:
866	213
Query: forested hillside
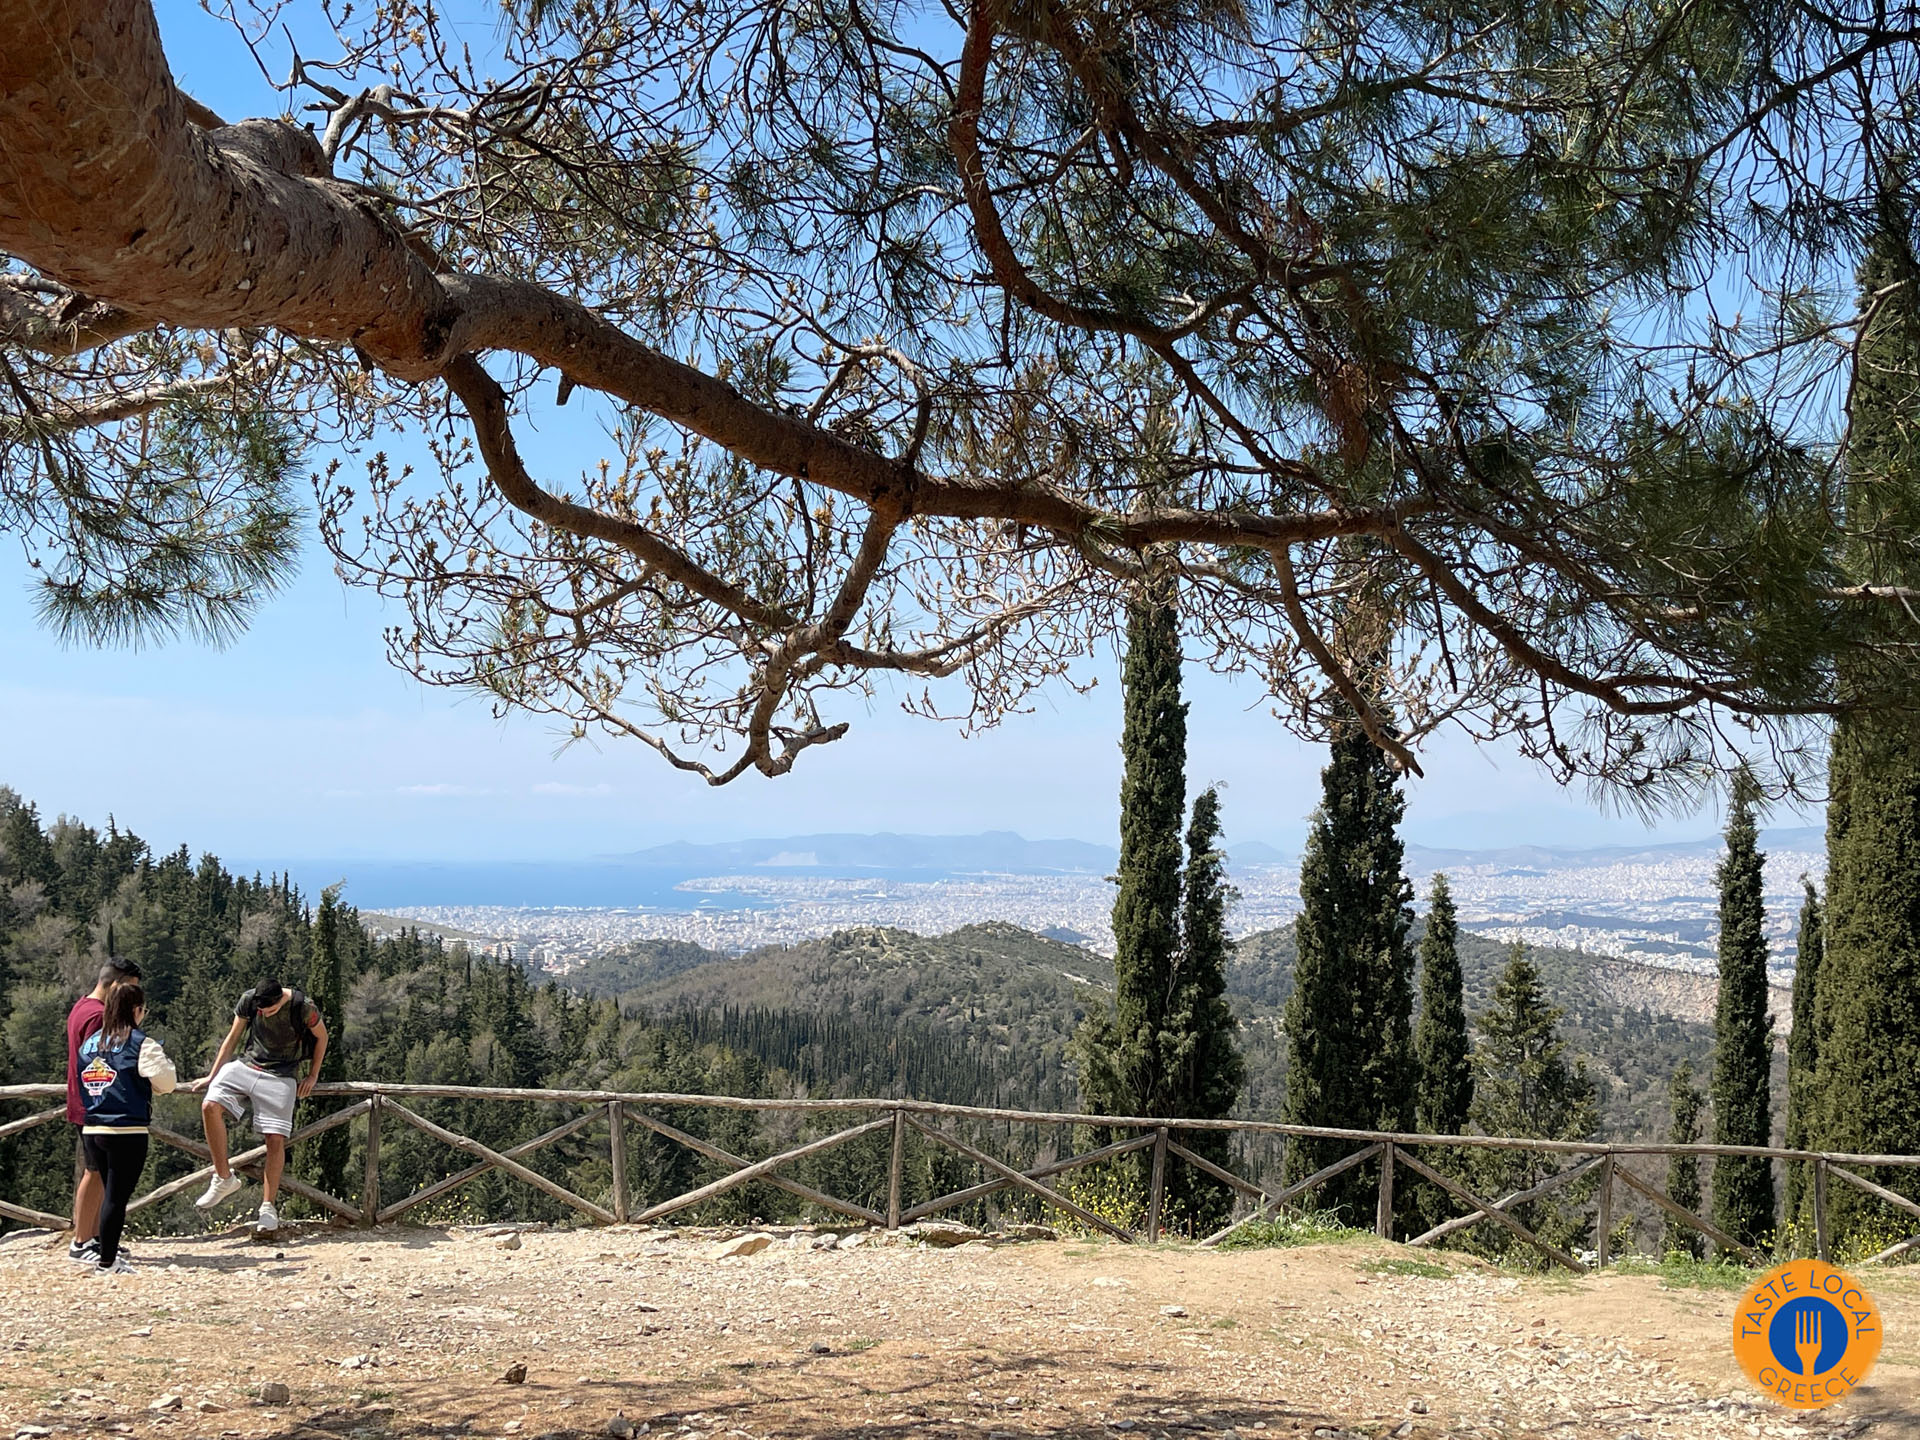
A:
981	1015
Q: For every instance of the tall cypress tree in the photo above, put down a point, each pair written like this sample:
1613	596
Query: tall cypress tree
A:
1742	1033
326	1155
1683	1171
1203	1067
1349	1022
1118	1053
1440	1042
1803	1050
1867	1004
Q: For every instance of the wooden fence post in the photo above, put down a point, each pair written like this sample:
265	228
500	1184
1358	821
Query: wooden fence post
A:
370	1176
1157	1189
1383	1215
1820	1208
617	1141
896	1167
1603	1216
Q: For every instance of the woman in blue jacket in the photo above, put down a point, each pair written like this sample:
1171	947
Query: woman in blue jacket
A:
121	1069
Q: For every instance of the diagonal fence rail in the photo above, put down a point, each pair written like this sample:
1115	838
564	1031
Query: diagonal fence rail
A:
933	1122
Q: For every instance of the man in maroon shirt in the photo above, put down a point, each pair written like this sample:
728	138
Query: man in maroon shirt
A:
89	1189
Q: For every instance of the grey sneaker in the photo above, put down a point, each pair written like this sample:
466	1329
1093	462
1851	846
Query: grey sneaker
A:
218	1189
119	1267
84	1252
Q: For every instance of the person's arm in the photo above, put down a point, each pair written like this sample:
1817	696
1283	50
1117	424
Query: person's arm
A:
157	1068
319	1029
227	1047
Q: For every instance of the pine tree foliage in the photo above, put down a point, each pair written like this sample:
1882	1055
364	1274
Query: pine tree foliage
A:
1803	1055
1743	1195
1683	1171
1350	1060
1867	1003
1526	1086
1441	1044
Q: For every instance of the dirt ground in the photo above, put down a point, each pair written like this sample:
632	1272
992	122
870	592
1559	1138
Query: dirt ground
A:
409	1333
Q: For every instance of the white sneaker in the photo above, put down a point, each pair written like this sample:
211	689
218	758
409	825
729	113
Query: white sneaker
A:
119	1267
269	1220
218	1189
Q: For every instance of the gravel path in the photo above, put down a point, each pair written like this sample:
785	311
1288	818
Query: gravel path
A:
628	1332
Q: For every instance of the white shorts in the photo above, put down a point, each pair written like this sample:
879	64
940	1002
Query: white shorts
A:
272	1096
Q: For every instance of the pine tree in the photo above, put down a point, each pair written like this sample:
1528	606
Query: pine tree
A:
1867	1003
1118	1052
1525	1086
1742	1033
1683	1171
325	1158
1803	1052
1440	1042
1349	1024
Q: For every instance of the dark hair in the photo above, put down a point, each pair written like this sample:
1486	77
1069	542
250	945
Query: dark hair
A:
118	970
123	1008
267	992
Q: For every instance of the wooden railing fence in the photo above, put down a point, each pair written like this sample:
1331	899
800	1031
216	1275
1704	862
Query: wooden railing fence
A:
380	1102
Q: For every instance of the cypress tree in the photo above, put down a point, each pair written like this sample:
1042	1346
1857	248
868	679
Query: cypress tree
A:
1742	1033
1440	1043
1203	1067
1683	1171
326	1155
1348	1021
1118	1052
1867	1002
1803	1051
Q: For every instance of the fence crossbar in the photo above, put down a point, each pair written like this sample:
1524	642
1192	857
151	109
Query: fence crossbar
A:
1015	1177
725	1157
1491	1211
760	1168
474	1172
1507	1202
512	1167
1687	1217
250	1161
1057	1167
1225	1176
1272	1202
14	1127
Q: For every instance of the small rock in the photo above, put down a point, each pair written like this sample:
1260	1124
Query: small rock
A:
1124	1425
828	1241
274	1393
1417	1406
144	1331
819	1347
1030	1232
1404	1428
741	1245
620	1428
209	1407
512	1427
30	1432
854	1241
942	1234
356	1362
516	1375
509	1242
1178	1312
167	1402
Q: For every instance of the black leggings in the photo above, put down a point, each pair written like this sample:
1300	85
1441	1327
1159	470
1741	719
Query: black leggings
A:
119	1159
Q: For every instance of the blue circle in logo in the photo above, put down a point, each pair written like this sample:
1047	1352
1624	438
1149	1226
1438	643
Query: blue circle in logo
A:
1806	1323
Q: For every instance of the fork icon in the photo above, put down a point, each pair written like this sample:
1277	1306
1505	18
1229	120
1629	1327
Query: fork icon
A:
1806	1340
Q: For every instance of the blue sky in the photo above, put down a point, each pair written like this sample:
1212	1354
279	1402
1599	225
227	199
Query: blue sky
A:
300	742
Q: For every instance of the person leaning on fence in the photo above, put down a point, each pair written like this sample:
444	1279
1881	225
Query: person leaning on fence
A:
124	1069
279	1028
83	1021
